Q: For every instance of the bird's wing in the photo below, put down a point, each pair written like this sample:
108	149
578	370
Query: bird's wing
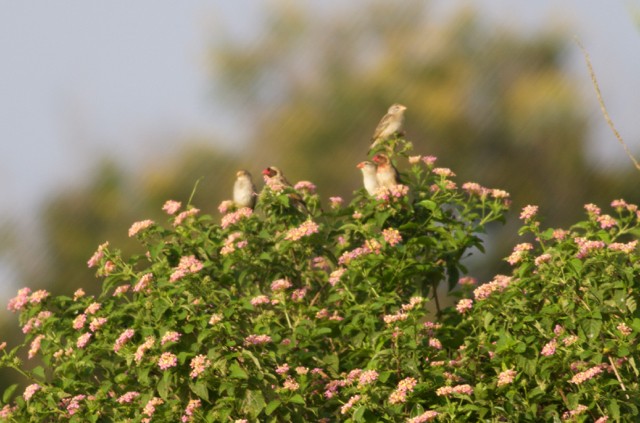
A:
381	126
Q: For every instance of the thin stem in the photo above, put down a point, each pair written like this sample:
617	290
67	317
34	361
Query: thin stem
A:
603	108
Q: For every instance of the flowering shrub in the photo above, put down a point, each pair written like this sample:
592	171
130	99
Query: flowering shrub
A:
291	313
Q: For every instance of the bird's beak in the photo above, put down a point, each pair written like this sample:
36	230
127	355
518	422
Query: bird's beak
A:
266	172
360	165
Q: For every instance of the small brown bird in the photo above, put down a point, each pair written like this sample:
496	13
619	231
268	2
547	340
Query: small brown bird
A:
276	181
389	125
244	191
386	173
369	176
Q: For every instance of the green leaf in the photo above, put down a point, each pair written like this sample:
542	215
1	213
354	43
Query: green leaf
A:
272	406
200	389
38	372
164	385
236	372
253	403
591	327
297	399
8	392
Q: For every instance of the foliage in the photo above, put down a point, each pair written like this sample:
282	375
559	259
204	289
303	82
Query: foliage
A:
271	315
280	315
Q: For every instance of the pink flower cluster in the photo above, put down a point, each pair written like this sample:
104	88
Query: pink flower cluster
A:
236	216
467	281
143	283
391	193
198	365
170	336
72	404
464	305
427	416
624	329
128	397
305	186
445	172
626	248
335	202
580	378
476	189
230	244
143	348
585	246
367	377
187	265
592	209
140	226
97	323
305	229
290	384
256	340
35	346
150	408
506	377
30	391
435	343
550	348
122	339
98	255
83	340
6	411
167	360
122	289
36	322
542	258
185	214
405	386
499	284
519	252
528	212
92	308
392	236
189	410
79	321
349	404
298	294
392	318
335	276
171	207
569	415
260	300
19	301
280	285
569	340
369	247
446	391
606	221
215	318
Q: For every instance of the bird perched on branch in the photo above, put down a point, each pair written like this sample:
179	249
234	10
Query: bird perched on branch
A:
244	191
277	182
386	173
369	176
390	124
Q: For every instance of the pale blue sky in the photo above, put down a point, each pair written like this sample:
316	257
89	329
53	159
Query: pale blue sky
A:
81	78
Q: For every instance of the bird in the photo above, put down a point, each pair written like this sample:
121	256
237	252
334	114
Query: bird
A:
244	191
369	176
389	125
386	173
276	181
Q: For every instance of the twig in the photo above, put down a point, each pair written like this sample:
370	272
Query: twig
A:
602	106
615	370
